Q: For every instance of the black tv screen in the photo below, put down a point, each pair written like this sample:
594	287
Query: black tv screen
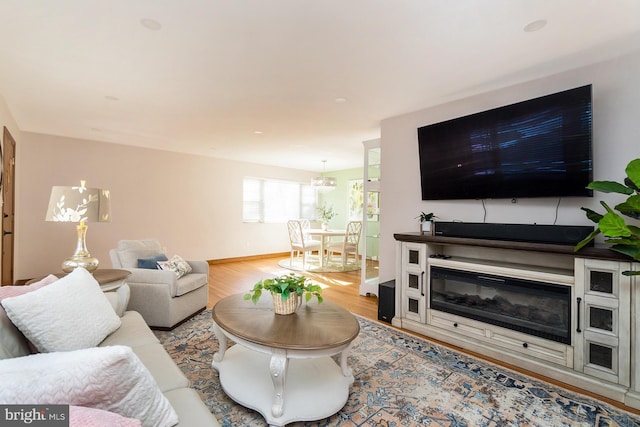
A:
535	148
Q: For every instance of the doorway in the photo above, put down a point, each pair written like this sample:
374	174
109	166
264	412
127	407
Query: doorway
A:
7	181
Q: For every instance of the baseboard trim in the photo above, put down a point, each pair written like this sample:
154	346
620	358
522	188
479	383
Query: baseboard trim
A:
247	258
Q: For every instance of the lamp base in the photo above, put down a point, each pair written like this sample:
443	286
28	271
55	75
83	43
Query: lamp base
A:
81	257
89	263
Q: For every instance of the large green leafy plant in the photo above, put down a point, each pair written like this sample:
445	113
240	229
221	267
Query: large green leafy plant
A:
622	236
285	285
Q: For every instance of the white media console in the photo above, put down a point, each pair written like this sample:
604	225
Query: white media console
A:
542	307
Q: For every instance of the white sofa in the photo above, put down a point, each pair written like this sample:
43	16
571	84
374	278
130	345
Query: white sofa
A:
132	332
163	299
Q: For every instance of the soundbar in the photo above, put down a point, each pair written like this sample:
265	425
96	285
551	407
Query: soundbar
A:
533	233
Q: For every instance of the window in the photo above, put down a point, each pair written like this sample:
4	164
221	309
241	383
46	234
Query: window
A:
267	200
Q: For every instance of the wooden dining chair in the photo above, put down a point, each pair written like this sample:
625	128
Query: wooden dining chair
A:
299	242
349	245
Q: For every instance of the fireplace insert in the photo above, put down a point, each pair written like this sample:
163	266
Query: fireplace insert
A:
532	307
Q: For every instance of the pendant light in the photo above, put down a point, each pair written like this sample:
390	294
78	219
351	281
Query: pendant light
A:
324	183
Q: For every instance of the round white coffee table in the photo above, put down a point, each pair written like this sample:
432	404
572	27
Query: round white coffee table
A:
282	366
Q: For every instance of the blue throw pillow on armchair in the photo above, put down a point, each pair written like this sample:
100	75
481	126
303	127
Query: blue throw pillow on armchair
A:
151	263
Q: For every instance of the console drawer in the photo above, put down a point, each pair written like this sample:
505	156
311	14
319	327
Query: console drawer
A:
459	325
538	348
511	341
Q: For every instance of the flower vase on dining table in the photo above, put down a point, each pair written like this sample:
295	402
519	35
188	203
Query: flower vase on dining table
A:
324	226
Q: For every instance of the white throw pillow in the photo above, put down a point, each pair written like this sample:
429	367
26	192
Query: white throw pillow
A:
176	264
70	314
12	341
111	378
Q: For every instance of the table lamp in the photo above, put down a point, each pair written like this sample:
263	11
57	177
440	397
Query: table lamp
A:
81	205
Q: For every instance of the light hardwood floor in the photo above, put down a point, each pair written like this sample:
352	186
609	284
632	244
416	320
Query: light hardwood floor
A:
228	278
340	288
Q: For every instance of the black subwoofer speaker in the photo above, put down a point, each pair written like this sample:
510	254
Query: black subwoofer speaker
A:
387	301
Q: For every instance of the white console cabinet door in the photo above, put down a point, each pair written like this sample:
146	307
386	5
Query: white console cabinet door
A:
603	320
413	281
633	398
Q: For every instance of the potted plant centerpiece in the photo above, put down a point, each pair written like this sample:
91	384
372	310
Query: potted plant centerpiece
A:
426	222
623	237
326	213
287	291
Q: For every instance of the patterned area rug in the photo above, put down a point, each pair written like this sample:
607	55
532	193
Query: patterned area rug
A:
401	380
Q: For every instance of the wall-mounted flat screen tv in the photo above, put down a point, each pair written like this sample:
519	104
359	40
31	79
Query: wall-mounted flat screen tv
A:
536	148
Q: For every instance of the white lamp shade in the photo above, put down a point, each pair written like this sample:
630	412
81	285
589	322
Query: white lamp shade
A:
79	204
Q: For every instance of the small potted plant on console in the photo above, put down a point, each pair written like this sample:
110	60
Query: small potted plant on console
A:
287	291
426	222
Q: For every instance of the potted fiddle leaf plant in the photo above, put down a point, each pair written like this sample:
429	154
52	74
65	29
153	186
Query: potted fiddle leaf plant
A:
624	237
287	292
426	222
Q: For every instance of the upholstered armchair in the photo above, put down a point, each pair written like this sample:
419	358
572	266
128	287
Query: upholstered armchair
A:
163	299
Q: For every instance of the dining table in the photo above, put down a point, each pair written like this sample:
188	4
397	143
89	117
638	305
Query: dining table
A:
324	235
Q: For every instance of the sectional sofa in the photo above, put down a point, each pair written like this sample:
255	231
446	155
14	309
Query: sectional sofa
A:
62	341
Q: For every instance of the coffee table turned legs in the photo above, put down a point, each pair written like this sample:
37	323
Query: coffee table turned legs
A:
222	344
238	367
346	369
278	368
277	362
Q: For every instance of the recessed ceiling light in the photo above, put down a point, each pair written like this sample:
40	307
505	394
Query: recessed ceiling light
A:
535	26
257	132
150	24
340	100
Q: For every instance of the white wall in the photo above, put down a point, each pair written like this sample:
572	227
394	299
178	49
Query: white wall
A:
616	125
193	204
338	199
6	119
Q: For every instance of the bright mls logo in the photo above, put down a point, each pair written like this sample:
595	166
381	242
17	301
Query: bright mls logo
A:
34	415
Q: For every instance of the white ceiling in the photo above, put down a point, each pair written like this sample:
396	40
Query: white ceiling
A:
218	71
